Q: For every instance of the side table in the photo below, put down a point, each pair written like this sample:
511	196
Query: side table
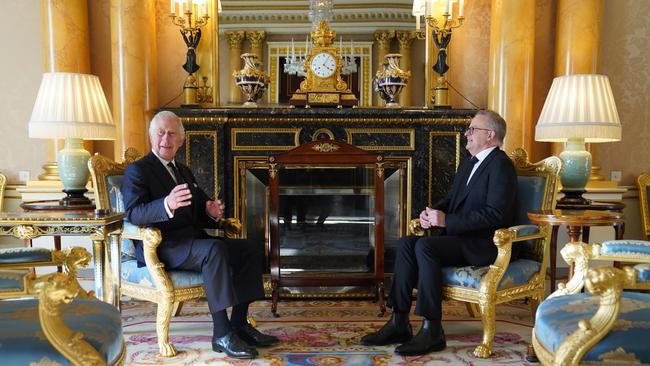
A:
53	206
576	221
104	230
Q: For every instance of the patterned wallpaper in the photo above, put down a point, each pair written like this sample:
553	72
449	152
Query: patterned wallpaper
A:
626	60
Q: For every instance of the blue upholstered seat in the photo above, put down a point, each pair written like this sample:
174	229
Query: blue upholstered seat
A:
519	272
142	276
22	341
12	281
625	247
558	317
643	273
24	255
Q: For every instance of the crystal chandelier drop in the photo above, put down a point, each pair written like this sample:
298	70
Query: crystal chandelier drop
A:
320	10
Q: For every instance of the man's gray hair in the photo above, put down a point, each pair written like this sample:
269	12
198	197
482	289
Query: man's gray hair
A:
165	116
496	123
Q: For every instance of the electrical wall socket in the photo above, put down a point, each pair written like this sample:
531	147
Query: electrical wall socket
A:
23	175
616	175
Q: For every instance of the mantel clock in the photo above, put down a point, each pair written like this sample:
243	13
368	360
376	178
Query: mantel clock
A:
323	85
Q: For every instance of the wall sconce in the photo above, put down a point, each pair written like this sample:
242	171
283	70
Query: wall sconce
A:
191	16
578	109
439	16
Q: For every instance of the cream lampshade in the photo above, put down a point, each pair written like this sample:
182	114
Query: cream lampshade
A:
579	108
72	107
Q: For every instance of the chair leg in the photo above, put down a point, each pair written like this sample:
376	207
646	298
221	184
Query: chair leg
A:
473	309
535	300
488	318
163	317
177	307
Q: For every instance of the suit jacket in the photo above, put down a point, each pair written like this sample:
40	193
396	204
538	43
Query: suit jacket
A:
146	184
474	211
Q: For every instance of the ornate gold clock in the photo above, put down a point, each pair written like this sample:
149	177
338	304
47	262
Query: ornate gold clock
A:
323	85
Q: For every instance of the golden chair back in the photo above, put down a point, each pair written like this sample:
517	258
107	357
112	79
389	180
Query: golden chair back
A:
3	182
643	183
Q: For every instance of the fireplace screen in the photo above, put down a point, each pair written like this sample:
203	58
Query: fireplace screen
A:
319	220
326	222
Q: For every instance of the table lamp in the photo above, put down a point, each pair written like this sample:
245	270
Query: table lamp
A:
73	107
579	108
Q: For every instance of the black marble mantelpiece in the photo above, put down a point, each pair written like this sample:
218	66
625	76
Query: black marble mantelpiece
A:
430	140
288	112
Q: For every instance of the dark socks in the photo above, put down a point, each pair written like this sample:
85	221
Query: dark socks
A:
238	316
401	318
221	324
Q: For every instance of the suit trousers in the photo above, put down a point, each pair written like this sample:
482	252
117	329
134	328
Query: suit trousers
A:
231	270
418	264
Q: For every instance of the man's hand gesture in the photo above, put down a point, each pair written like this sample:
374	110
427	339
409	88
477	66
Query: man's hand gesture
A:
180	196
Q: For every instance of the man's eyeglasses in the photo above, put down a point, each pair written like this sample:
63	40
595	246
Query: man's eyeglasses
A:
470	130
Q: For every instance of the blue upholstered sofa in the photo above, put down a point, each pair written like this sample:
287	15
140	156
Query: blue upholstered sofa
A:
608	326
62	324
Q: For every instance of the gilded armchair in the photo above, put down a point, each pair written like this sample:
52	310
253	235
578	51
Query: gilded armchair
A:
64	324
611	327
482	288
168	289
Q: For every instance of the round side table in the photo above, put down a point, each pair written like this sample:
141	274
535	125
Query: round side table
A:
575	221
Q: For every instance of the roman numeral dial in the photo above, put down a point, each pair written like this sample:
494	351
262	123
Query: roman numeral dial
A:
323	65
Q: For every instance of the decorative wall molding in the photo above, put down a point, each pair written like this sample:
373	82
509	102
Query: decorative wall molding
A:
349	16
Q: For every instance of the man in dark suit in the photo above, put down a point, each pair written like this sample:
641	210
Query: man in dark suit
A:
481	200
160	192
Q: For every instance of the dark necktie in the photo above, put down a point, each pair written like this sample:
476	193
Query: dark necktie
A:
473	162
177	175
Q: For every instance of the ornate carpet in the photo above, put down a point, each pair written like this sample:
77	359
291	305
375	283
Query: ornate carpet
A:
323	333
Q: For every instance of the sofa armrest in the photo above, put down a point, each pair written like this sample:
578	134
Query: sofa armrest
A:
54	292
607	283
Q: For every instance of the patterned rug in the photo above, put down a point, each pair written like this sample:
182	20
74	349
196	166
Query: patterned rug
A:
323	333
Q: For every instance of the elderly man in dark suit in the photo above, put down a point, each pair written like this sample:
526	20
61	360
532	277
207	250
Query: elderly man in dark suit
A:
160	192
481	200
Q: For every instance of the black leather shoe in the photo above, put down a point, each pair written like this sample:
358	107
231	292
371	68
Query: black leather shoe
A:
233	347
254	337
430	338
394	331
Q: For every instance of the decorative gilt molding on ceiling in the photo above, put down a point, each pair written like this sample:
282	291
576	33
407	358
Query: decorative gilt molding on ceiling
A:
291	16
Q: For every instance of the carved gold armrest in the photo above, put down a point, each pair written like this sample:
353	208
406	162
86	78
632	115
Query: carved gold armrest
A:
502	239
55	290
415	228
72	258
151	239
231	227
608	283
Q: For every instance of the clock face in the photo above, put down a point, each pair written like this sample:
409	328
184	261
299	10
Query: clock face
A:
323	64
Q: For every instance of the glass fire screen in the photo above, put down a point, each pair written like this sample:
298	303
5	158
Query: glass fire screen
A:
326	215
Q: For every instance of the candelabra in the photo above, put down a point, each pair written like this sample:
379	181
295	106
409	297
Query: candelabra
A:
191	16
441	23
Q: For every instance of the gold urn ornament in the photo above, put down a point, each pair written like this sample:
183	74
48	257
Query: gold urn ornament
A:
390	81
251	79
